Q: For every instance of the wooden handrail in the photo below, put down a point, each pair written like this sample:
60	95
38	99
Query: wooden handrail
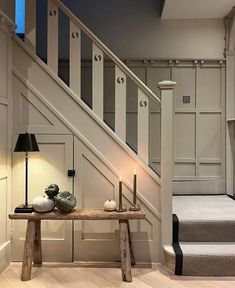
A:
107	51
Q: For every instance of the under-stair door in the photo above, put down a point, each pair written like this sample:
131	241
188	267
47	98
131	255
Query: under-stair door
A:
50	165
94	183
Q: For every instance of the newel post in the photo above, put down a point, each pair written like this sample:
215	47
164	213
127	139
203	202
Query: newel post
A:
167	113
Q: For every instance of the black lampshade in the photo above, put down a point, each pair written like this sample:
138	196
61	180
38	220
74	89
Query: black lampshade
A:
26	143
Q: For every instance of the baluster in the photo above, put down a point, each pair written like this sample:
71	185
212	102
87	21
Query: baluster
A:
143	126
97	80
120	104
52	36
75	59
30	24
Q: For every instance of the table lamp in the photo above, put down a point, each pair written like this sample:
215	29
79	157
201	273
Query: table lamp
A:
26	143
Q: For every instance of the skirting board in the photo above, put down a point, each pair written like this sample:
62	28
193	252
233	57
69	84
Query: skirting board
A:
5	255
199	187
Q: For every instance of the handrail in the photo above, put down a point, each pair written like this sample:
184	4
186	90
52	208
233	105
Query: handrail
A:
105	49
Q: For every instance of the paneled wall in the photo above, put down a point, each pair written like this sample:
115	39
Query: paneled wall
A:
199	103
199	123
5	140
95	181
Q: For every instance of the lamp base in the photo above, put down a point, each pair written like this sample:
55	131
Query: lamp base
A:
24	209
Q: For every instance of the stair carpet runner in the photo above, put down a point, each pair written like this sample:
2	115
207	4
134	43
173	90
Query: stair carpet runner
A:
204	235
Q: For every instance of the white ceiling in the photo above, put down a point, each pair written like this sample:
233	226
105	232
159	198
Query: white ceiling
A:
196	9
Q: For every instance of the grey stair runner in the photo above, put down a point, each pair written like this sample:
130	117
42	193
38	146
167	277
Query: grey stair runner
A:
205	243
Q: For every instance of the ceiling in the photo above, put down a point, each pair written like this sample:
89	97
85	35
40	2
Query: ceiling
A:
196	9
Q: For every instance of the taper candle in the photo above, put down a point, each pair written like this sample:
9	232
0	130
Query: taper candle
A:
120	192
134	188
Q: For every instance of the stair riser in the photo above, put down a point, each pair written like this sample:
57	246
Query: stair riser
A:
208	266
207	232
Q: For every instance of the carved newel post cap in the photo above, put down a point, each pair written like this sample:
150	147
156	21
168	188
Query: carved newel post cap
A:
166	85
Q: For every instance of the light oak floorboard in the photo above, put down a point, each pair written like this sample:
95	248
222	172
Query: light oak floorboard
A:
72	276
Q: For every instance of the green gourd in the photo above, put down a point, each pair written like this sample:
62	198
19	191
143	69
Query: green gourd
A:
65	201
52	190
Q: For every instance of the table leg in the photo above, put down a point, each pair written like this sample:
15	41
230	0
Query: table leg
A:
28	251
125	251
130	244
37	250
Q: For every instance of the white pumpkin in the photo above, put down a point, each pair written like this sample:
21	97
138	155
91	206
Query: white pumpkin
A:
43	204
110	205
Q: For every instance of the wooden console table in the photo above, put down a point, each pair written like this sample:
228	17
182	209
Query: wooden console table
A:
32	246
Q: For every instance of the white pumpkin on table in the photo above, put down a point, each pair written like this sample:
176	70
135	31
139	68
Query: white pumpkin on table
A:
110	205
43	204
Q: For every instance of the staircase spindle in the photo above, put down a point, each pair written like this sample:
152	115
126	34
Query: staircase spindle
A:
52	37
30	24
120	103
75	59
97	80
143	126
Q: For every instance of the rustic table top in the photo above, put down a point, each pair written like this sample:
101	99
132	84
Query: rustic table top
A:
80	214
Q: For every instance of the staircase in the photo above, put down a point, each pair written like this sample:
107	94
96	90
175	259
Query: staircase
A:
41	85
201	245
203	236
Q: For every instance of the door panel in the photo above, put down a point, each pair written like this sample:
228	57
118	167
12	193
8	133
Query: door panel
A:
48	166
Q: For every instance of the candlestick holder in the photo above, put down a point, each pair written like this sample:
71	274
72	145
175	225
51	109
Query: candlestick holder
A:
121	208
134	207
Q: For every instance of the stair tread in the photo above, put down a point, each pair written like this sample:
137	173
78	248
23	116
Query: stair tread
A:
214	208
201	249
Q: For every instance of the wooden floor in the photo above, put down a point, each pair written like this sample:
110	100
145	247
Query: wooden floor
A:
58	276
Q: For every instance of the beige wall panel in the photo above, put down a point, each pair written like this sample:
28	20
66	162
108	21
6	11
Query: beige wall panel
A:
3	138
109	88
185	79
99	240
31	115
3	210
184	135
210	170
86	87
209	136
185	170
155	165
48	166
156	75
131	129
109	119
209	88
3	65
155	138
95	192
142	230
132	89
